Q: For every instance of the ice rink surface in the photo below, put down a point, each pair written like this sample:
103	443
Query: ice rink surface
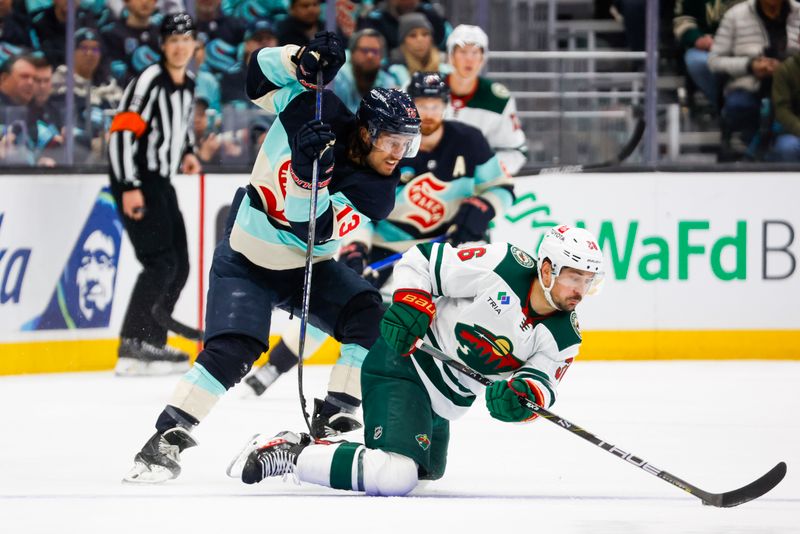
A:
67	440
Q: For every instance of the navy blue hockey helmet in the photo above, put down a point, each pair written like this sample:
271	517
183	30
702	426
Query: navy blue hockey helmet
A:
177	24
428	85
391	111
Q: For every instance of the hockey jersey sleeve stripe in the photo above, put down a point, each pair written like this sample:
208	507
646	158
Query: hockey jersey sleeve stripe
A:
437	254
128	121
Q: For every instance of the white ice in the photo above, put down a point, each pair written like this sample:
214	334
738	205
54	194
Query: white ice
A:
66	440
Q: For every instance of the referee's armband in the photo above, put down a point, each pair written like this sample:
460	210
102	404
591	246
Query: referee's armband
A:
128	121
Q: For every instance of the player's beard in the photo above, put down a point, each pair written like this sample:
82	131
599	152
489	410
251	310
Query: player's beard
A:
429	127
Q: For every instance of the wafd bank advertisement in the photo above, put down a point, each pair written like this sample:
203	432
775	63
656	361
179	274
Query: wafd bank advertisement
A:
697	265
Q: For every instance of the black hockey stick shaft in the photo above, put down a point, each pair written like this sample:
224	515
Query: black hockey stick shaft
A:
312	228
728	499
165	320
622	155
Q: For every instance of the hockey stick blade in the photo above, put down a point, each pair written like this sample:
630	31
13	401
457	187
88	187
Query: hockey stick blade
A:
166	321
747	493
728	499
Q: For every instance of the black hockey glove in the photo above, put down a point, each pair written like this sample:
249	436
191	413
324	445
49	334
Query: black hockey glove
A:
314	139
470	222
354	256
325	52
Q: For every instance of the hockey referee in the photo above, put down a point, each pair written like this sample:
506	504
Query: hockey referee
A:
151	138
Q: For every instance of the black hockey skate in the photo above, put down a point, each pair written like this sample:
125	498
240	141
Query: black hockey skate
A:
328	426
277	457
140	358
261	380
159	459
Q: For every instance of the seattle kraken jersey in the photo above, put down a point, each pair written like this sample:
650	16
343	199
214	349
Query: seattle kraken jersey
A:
129	50
433	185
271	227
484	320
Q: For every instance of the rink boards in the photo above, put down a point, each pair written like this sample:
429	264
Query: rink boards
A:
699	266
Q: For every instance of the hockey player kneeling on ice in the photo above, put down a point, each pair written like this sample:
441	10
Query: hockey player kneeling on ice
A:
259	263
492	308
451	190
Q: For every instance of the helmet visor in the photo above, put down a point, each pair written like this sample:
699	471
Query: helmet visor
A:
397	144
584	282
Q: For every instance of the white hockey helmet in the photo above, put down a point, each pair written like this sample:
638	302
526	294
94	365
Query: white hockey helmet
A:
566	246
467	34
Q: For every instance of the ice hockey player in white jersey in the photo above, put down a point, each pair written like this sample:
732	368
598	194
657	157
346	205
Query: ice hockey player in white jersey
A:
453	188
493	308
479	101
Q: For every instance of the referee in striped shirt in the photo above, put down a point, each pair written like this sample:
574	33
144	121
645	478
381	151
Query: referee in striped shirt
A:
151	139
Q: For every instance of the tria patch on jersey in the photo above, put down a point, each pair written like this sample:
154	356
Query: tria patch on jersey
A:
522	257
484	351
573	320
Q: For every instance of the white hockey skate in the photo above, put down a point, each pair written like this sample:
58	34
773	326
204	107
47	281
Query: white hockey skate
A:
159	460
139	358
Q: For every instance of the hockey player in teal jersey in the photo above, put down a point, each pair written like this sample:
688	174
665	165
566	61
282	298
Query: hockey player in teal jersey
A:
451	189
259	263
492	308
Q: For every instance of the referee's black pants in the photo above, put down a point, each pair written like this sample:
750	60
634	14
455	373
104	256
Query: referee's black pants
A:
159	240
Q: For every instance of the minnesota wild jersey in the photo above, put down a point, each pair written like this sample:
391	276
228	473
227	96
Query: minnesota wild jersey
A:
433	185
484	320
493	110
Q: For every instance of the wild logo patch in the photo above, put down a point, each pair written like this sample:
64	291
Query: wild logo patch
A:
522	257
484	351
376	435
573	320
423	441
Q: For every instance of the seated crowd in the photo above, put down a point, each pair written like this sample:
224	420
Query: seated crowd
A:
117	39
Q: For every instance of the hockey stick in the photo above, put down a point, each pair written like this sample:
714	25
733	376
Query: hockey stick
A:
312	228
374	268
627	150
165	320
727	499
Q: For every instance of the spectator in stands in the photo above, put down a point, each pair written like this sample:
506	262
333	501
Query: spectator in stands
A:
131	44
207	85
416	52
16	92
480	102
117	7
259	34
786	102
221	34
252	10
46	116
95	95
694	25
50	25
14	26
386	20
752	39
362	71
301	24
207	142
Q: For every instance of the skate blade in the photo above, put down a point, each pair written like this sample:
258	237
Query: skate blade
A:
236	466
142	474
133	367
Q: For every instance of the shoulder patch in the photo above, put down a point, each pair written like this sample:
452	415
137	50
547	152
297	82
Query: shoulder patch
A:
573	320
522	258
500	91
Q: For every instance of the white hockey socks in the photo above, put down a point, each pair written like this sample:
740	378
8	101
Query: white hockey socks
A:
352	466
